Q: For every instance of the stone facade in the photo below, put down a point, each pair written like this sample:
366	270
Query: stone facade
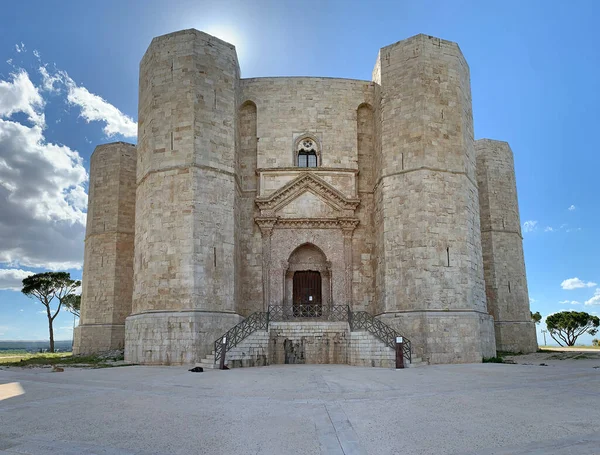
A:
109	242
376	187
503	260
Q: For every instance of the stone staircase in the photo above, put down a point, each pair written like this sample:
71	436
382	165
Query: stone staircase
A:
311	342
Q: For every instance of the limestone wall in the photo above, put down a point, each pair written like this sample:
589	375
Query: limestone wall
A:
504	263
108	259
280	111
185	245
287	107
427	208
308	342
367	351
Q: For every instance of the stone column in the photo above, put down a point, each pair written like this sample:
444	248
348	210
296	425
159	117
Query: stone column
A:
348	227
266	230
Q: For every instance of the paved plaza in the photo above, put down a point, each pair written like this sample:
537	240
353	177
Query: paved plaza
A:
305	409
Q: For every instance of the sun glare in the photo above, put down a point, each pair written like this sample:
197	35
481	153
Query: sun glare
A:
225	33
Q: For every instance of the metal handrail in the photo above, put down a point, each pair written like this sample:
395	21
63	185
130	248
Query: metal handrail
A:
362	320
309	311
256	321
358	320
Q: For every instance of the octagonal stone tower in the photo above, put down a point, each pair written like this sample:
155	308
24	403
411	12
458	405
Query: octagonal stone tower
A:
184	267
502	244
429	273
108	262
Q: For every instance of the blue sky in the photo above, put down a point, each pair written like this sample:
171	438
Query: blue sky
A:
534	72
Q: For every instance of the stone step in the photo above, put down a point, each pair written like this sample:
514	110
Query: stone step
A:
207	365
416	362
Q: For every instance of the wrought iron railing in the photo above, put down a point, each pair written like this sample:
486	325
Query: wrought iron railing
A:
256	321
358	320
309	311
362	320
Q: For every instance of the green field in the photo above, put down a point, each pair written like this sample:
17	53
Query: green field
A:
25	359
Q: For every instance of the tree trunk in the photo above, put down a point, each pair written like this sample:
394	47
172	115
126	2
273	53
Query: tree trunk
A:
51	331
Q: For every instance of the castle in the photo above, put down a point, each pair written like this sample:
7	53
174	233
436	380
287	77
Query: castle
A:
293	207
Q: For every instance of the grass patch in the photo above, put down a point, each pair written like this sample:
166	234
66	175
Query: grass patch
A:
583	356
496	359
57	358
17	357
507	353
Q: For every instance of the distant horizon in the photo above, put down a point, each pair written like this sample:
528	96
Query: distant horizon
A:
33	341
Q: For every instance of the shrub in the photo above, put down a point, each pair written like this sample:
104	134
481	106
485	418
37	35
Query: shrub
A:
492	360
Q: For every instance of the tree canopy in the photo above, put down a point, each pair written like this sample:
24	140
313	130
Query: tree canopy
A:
47	286
72	304
536	317
567	326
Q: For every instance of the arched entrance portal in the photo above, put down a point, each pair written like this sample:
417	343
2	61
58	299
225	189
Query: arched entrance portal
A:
307	282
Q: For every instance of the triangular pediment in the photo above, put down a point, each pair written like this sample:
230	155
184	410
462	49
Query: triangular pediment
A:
307	204
311	188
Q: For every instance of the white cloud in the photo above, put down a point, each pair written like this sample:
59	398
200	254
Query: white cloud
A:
20	95
572	207
595	300
530	226
37	54
93	107
548	229
42	193
49	81
576	283
572	302
11	279
20	48
532	300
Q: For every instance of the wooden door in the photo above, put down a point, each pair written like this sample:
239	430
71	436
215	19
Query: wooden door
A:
307	294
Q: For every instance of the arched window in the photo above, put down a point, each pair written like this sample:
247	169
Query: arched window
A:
307	153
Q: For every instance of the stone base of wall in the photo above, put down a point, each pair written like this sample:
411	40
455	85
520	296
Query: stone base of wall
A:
91	339
309	342
174	338
368	351
516	337
446	336
251	352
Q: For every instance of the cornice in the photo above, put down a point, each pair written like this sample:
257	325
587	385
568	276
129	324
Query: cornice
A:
344	223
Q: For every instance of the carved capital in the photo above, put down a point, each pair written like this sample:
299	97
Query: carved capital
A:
348	225
266	225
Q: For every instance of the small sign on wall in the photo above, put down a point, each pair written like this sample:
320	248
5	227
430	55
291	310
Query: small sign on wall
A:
398	339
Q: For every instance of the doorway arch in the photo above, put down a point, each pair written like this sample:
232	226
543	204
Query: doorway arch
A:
307	282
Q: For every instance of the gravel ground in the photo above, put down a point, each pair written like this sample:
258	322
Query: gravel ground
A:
306	409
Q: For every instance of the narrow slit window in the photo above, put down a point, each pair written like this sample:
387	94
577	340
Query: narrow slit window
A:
448	256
